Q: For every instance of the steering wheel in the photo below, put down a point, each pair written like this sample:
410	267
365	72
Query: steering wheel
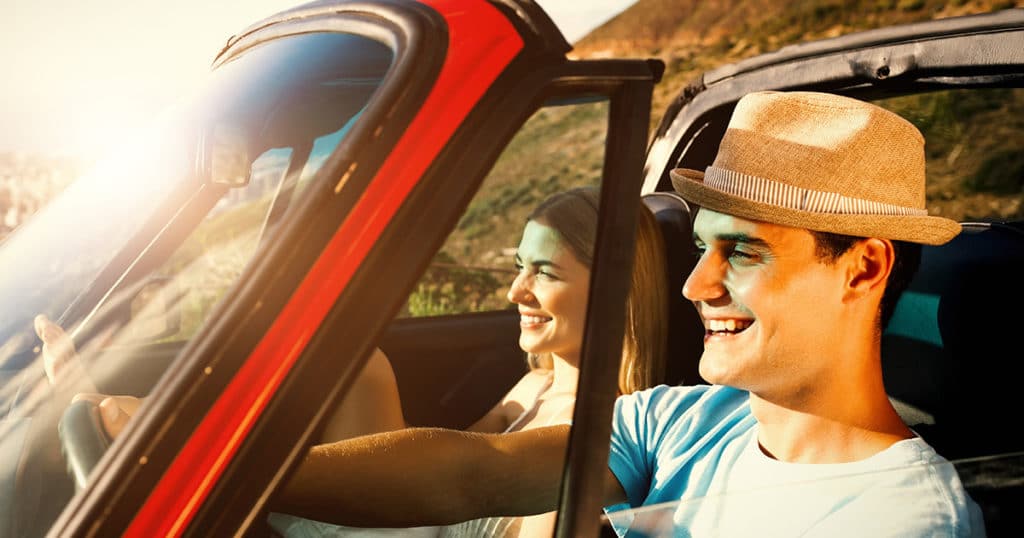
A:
83	439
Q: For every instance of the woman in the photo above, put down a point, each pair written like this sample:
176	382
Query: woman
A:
553	262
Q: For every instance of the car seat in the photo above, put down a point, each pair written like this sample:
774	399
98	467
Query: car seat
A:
947	354
946	350
685	330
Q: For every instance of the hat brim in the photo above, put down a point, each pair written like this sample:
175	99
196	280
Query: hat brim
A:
928	230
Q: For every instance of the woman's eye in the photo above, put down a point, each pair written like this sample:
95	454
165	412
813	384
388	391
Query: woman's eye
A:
698	250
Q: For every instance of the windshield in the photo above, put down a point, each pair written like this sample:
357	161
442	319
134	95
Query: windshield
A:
130	260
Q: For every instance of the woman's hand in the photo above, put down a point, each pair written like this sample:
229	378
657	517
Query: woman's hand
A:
115	411
58	352
61	364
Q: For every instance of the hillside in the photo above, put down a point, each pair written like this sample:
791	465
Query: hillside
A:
975	172
692	36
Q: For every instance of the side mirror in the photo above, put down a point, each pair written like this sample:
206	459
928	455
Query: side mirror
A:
154	310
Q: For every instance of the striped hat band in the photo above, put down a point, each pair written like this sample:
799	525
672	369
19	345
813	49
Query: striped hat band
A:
767	191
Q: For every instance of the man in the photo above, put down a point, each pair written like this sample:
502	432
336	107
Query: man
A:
810	223
806	235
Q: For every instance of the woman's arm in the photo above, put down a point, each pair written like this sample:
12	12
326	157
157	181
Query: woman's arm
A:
428	476
372	404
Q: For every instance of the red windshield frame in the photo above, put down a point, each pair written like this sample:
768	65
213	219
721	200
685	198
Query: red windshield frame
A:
481	45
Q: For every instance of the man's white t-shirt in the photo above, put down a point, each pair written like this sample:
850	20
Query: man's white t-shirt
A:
690	457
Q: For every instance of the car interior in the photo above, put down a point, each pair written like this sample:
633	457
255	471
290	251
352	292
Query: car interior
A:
945	364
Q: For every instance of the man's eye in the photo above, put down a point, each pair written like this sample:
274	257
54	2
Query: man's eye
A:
545	274
518	266
741	255
698	250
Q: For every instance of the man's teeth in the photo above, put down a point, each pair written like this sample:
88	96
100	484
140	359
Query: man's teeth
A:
534	319
730	325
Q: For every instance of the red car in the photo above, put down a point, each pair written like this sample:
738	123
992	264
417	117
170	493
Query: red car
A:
353	176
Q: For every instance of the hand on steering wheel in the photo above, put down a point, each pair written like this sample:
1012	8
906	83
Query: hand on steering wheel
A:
58	349
93	420
114	411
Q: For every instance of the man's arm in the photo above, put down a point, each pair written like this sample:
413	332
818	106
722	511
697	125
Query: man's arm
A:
427	476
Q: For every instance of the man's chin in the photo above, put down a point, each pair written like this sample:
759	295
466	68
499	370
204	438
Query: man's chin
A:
717	368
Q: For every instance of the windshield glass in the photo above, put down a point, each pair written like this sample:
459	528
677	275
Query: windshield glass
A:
130	260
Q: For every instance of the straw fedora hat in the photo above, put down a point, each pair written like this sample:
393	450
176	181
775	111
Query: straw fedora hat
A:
822	162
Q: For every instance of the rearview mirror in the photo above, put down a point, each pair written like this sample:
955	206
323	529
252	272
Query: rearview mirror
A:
228	154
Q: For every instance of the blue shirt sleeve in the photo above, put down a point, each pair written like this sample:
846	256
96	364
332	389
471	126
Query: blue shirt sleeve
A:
629	457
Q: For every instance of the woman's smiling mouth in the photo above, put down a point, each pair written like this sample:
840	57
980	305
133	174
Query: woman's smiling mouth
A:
528	321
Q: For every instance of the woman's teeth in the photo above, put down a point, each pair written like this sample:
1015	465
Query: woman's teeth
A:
533	319
728	325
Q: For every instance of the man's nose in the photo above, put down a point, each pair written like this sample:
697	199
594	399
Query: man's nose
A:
705	282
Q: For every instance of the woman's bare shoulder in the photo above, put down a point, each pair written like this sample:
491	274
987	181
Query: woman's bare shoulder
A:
526	390
377	370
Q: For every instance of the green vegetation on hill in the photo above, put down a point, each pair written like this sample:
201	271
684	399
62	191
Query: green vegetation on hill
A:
693	36
975	140
975	150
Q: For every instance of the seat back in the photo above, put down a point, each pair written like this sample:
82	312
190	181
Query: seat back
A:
948	351
685	330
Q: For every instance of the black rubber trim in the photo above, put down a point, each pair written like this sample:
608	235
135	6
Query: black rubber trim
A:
539	32
999	21
582	490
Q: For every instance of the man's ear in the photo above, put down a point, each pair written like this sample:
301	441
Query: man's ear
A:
868	267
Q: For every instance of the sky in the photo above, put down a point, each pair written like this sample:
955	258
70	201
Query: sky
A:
79	75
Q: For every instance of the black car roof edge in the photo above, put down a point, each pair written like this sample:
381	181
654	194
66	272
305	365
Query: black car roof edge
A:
533	18
985	22
538	23
310	9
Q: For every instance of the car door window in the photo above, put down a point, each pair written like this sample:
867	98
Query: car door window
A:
559	147
451	374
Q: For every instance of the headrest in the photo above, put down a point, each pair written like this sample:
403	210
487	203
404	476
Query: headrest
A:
685	331
951	344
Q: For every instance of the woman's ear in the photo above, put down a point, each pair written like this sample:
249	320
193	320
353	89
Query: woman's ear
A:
869	264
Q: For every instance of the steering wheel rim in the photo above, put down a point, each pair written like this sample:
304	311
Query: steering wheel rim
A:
83	440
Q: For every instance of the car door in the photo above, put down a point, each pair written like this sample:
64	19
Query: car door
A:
251	389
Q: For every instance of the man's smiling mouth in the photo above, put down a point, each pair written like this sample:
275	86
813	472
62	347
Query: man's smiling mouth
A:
722	327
